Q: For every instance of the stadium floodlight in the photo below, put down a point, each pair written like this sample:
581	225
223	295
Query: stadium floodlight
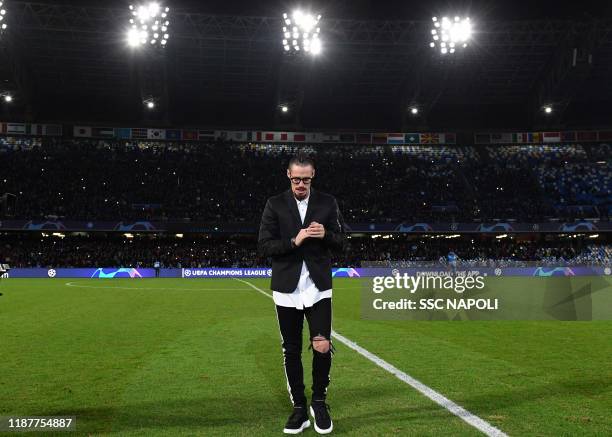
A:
148	25
450	34
548	109
301	32
149	103
6	97
284	108
3	24
414	110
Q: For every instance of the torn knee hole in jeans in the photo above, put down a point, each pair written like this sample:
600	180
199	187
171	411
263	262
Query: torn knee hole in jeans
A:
321	344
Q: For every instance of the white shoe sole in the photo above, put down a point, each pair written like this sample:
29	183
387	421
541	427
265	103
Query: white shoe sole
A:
299	430
317	429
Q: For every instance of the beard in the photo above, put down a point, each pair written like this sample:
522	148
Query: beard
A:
300	196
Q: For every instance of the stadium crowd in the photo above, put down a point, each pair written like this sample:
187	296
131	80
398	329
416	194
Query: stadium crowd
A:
116	250
112	180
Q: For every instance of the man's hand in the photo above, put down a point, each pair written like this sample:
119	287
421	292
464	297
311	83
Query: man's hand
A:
301	236
316	230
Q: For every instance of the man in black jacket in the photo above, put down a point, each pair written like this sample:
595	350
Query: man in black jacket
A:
299	229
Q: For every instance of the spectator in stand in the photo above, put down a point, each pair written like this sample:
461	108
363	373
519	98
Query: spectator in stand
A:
32	250
114	180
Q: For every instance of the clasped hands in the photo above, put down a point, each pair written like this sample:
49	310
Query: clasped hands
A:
314	230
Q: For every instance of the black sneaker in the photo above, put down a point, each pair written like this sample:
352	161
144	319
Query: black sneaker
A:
319	411
297	422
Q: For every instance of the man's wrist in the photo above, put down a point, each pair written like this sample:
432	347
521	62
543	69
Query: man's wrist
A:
293	244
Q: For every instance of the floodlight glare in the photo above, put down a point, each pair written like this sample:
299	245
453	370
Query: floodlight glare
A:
2	17
414	110
548	109
150	103
315	47
284	108
133	38
144	17
301	32
8	98
455	32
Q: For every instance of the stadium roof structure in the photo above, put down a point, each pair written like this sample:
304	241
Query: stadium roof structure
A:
69	61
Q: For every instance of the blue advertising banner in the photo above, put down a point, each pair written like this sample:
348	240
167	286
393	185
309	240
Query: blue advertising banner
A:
227	273
339	272
102	273
534	271
252	228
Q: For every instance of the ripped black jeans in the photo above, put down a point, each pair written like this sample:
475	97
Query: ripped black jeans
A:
290	321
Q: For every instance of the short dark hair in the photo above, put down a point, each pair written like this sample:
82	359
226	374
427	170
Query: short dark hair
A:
302	160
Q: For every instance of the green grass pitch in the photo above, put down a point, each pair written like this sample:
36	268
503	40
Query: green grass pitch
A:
163	357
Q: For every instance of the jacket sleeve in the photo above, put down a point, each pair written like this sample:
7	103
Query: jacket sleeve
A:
334	230
269	241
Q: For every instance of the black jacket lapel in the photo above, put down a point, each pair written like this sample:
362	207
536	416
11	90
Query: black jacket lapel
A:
293	208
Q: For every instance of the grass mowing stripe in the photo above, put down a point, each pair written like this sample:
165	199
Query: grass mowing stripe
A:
473	420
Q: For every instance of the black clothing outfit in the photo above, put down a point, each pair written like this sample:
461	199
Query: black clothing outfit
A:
290	321
280	223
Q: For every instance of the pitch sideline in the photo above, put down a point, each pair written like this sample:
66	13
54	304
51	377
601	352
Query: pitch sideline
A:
106	287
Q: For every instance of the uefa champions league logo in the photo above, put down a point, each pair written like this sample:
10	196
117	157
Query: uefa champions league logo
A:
51	273
556	271
118	273
345	272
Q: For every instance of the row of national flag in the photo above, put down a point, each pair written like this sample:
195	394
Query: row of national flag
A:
542	137
30	129
264	136
303	137
224	135
143	133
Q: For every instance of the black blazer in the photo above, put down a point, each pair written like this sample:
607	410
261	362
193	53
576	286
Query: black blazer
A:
280	222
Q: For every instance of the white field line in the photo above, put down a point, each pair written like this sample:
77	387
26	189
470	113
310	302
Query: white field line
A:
106	287
73	284
478	423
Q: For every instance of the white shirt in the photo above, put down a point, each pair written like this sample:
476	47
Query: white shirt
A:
306	294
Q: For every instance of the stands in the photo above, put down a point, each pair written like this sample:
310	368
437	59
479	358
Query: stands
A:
116	250
111	180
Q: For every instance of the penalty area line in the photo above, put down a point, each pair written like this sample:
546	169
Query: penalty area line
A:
456	409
